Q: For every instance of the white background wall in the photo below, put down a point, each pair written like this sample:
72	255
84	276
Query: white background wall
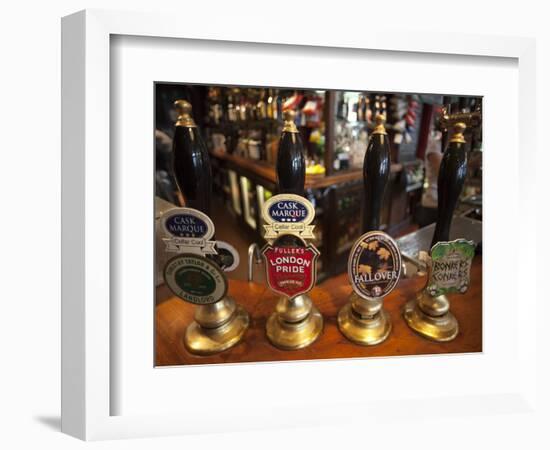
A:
30	190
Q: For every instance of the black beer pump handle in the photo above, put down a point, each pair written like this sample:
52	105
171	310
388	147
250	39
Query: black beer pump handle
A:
452	173
191	162
291	166
376	172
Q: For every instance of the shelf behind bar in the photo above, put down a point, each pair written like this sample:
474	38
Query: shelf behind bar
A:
266	171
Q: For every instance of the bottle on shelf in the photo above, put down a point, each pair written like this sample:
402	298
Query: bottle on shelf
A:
261	106
232	106
361	108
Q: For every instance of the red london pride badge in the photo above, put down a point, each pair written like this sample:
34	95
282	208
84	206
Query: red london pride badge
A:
290	265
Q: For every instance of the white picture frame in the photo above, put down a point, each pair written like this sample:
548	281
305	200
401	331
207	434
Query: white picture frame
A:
91	249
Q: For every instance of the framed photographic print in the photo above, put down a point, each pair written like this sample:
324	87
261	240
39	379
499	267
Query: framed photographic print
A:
270	220
244	134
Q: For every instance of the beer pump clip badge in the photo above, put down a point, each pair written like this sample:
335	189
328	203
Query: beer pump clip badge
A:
291	268
450	267
374	265
288	214
195	279
228	257
190	231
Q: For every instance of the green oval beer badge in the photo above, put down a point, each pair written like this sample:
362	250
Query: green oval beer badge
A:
450	267
374	265
195	279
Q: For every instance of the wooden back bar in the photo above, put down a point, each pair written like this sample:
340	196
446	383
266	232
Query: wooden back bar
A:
267	172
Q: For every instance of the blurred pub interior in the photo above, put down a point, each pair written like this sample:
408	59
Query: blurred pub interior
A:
242	125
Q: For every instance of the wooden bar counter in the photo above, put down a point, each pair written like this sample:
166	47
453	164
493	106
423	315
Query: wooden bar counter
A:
172	315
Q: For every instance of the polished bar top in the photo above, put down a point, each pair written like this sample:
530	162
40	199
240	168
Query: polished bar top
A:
172	315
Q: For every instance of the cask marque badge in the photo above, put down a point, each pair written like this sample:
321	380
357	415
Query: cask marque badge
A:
451	263
189	230
288	214
291	265
195	279
374	265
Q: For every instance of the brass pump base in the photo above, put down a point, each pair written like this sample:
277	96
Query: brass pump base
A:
217	327
430	317
295	324
364	321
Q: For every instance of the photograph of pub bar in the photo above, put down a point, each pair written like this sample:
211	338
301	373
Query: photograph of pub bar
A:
296	223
